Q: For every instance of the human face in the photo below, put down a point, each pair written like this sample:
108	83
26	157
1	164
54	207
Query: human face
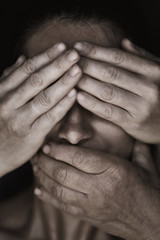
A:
80	126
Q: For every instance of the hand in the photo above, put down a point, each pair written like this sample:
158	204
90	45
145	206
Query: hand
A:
110	192
31	105
122	87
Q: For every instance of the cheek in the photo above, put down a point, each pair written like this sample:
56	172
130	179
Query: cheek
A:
115	140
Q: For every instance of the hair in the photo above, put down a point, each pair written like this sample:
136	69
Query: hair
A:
112	30
111	20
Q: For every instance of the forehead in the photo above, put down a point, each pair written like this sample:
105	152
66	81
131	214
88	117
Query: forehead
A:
67	32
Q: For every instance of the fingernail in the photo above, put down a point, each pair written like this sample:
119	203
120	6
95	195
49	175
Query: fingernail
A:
37	192
72	55
72	93
81	47
74	71
46	149
60	46
80	97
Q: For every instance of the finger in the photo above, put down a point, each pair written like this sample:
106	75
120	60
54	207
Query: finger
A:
60	192
107	111
46	197
110	93
44	124
31	65
64	174
132	48
116	76
46	76
86	160
10	69
49	97
119	58
142	157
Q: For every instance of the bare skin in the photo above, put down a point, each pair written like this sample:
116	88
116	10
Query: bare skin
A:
70	180
27	104
102	189
122	87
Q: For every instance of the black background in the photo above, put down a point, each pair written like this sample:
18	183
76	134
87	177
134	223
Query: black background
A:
14	15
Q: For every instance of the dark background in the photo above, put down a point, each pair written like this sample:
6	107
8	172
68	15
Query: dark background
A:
141	18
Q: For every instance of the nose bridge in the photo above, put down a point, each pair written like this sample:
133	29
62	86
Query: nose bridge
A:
75	128
75	116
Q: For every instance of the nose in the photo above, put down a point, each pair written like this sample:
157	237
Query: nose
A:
75	128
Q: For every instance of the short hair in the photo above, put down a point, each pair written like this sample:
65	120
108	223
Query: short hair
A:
109	19
112	30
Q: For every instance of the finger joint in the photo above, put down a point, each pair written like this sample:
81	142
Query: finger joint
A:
107	93
29	66
118	56
78	159
44	99
61	174
36	80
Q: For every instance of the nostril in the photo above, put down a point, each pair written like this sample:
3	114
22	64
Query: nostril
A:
73	137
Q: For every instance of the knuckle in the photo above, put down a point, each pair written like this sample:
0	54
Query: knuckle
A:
29	66
36	80
108	112
82	82
64	81
64	207
93	50
97	165
58	65
4	113
58	192
107	93
43	99
13	127
146	112
61	174
156	69
92	104
84	64
118	178
50	53
5	72
118	56
155	94
51	117
78	159
110	73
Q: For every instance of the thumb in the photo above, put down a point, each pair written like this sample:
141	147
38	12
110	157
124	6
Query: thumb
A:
143	158
132	48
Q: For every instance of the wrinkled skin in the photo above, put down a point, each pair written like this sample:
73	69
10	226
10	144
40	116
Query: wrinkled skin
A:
109	192
87	171
27	105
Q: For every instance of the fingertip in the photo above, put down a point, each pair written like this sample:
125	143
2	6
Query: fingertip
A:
37	191
81	47
61	46
127	43
81	97
72	93
46	149
20	60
